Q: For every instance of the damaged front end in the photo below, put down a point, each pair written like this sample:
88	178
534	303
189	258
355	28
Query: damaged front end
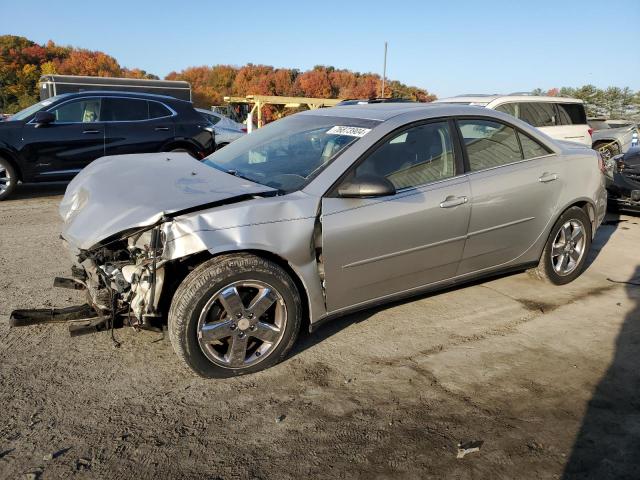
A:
122	278
624	187
119	225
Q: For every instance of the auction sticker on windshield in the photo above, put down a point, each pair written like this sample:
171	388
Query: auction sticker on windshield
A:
349	131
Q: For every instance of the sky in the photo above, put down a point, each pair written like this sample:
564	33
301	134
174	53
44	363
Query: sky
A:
447	47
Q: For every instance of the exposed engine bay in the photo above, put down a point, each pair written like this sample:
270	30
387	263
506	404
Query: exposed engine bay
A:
125	276
122	278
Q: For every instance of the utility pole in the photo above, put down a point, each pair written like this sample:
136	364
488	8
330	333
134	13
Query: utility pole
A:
384	70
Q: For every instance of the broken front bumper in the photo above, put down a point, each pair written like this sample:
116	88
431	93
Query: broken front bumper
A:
83	319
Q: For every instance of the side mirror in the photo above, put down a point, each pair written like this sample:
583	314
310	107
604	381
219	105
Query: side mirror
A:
365	186
43	118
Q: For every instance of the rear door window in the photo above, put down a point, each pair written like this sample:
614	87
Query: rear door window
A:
212	119
124	110
571	114
489	144
538	114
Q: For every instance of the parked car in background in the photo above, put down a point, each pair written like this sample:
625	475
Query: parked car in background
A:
319	214
226	130
559	117
612	137
624	187
55	138
52	85
365	101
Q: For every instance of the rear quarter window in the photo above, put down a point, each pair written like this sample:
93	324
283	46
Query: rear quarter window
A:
158	110
571	114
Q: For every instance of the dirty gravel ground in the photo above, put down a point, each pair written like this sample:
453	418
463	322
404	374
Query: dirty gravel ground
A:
547	377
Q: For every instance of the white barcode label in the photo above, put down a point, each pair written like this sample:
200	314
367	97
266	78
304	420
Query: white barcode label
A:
349	131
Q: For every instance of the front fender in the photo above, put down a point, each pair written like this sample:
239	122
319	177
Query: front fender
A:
290	241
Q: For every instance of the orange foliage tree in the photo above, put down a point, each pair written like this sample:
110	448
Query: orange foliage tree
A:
22	62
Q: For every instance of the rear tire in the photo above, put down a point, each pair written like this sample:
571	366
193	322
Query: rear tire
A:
564	257
8	179
211	324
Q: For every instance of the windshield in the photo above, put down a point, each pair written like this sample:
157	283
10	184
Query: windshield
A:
22	114
288	153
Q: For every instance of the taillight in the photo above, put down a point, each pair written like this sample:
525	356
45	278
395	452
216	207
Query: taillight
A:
591	132
244	129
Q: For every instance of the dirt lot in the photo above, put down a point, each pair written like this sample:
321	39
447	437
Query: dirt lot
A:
546	377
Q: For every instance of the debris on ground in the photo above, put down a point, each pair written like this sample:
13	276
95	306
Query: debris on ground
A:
6	452
83	464
535	446
51	456
465	448
281	418
33	474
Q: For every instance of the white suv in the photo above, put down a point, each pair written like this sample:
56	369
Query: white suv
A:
559	117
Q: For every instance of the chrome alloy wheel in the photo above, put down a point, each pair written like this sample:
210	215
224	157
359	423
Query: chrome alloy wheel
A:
242	324
5	179
568	247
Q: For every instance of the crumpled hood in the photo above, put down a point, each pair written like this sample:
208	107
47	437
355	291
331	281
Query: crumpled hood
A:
120	192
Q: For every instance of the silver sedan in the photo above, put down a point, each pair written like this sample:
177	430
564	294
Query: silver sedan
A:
321	214
225	129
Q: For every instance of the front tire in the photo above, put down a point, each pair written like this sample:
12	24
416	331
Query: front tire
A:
564	257
8	179
234	314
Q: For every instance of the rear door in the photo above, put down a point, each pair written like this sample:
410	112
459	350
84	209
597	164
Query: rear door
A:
136	125
571	121
515	187
375	247
59	150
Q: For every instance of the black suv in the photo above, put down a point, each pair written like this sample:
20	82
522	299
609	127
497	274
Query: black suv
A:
54	139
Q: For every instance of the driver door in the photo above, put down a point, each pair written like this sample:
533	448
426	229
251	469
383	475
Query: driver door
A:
378	247
59	150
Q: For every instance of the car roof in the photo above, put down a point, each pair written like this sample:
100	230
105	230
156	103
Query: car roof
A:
385	111
118	93
486	99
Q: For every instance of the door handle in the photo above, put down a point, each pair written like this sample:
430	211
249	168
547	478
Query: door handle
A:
164	129
91	131
451	201
548	177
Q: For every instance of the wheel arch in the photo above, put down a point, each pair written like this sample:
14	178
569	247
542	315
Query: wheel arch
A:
11	158
182	143
184	266
582	203
588	207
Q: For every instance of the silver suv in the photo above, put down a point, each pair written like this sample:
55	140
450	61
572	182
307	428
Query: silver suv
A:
559	117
